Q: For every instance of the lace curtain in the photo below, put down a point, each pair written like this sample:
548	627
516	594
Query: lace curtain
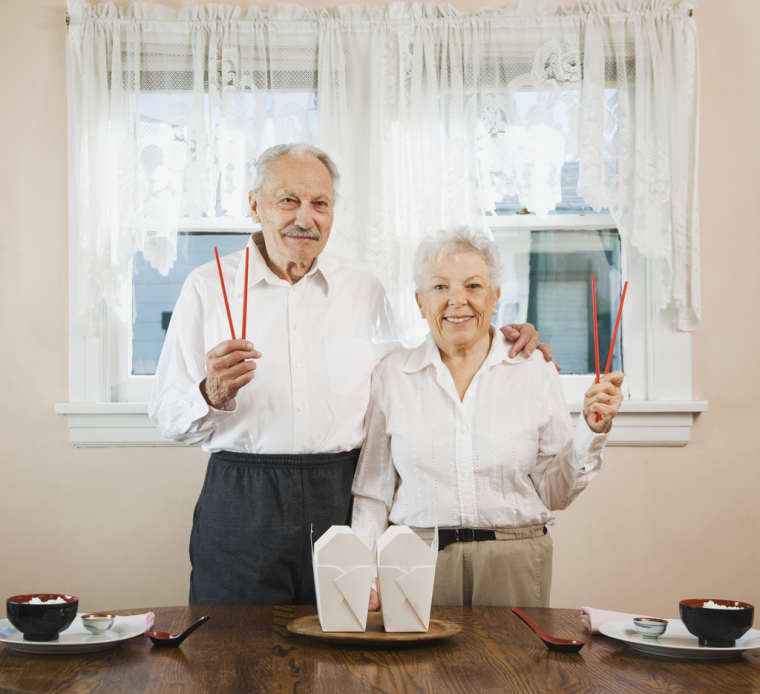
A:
417	103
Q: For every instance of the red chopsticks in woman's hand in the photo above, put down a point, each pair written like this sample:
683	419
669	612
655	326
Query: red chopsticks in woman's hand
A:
596	333
224	294
596	327
614	334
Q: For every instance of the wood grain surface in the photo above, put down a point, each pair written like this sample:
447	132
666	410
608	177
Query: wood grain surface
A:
249	649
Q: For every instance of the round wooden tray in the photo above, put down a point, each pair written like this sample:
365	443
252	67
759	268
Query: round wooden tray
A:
375	634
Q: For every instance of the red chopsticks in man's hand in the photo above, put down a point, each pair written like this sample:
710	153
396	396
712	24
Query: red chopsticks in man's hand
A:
224	294
596	333
245	297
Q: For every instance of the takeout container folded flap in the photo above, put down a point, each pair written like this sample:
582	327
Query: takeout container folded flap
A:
344	606
407	596
343	571
406	573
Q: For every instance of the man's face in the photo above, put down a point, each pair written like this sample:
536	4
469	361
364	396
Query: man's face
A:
295	208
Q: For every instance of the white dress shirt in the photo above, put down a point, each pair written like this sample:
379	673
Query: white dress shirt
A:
503	457
320	338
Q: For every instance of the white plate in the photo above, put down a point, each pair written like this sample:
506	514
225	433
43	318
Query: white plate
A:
75	639
677	641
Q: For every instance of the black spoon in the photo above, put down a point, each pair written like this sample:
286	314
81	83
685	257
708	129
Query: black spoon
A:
166	639
552	642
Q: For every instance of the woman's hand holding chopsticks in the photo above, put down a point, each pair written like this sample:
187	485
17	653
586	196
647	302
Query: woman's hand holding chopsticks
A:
229	366
603	399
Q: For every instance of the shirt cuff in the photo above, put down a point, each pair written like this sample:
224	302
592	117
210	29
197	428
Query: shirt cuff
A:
588	446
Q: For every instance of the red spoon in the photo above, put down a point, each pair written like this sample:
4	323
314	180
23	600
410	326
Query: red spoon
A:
168	640
552	642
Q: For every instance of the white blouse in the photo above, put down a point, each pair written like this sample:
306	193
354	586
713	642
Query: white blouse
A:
503	457
320	339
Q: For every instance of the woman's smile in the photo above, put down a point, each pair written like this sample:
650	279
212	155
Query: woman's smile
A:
457	320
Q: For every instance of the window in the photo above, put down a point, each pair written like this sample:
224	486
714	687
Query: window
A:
546	272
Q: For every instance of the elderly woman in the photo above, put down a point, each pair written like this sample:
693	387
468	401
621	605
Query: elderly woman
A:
450	446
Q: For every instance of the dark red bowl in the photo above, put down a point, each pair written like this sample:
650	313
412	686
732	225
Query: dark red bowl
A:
713	626
41	622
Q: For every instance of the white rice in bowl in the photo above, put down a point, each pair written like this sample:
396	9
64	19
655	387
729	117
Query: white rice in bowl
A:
715	606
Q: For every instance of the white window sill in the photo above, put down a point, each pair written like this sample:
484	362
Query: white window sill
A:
640	423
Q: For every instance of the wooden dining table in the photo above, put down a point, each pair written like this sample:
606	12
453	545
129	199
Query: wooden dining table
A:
249	649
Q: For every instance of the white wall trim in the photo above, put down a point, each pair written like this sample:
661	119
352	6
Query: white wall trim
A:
112	424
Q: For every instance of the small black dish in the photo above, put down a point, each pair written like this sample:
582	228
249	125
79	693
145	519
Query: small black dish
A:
718	627
41	621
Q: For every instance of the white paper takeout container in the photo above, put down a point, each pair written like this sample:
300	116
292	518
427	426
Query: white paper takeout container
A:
344	569
406	571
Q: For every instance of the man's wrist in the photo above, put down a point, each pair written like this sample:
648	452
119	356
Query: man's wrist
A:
226	406
202	387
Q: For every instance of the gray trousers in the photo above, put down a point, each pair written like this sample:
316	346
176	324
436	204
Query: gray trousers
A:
251	537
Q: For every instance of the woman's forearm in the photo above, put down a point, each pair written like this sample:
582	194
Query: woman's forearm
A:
369	519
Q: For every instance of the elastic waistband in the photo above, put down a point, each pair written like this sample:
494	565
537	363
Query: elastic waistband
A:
300	460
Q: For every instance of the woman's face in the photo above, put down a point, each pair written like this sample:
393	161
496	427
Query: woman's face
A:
457	299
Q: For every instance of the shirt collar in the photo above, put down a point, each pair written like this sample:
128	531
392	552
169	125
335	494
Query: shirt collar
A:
427	354
259	271
499	351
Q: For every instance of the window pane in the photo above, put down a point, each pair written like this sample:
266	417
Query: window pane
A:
571	202
547	281
528	148
177	177
155	294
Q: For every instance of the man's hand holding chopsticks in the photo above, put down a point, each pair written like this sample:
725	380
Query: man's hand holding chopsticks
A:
603	398
229	366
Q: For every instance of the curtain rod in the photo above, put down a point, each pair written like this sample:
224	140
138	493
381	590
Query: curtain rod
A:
68	17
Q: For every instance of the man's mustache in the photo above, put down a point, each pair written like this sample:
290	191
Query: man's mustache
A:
296	233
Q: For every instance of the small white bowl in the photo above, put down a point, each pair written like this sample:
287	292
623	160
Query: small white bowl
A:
650	627
97	622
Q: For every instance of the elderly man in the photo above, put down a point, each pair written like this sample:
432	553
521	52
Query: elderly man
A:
282	416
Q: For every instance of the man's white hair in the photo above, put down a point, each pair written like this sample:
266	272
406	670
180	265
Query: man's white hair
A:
295	149
461	239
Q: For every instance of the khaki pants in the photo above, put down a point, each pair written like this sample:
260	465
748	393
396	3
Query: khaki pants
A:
513	569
